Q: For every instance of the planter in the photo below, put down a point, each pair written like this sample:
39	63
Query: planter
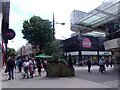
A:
67	71
59	70
53	70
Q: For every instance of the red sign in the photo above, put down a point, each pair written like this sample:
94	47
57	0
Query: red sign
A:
86	43
8	34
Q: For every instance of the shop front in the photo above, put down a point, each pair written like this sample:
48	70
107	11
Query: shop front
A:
85	47
92	55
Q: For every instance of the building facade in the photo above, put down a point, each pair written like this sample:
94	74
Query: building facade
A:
0	34
4	25
103	21
85	47
28	50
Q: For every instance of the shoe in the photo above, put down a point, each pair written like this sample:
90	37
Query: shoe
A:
9	79
12	77
40	74
27	77
31	77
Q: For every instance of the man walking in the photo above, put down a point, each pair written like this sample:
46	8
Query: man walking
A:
10	66
89	65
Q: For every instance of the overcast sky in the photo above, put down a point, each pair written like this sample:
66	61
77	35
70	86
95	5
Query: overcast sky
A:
23	10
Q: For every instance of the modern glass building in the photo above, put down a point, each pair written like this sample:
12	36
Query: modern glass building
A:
102	21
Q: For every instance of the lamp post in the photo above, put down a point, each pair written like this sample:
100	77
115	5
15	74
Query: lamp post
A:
79	38
54	26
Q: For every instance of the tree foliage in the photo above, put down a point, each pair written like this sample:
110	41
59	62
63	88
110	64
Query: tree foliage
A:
11	52
37	31
53	48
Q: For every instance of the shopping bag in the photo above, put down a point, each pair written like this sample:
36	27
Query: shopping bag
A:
23	72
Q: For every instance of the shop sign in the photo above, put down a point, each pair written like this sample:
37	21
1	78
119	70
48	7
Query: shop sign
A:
8	34
86	43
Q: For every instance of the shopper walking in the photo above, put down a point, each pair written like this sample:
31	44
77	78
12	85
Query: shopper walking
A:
20	65
26	68
102	65
111	62
107	62
11	66
32	64
89	65
39	65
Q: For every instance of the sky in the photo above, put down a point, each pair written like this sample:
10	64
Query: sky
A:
23	10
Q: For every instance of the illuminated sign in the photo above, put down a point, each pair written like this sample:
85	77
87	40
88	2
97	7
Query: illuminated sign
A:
8	34
86	43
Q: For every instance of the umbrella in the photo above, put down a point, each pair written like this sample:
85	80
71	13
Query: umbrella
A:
43	56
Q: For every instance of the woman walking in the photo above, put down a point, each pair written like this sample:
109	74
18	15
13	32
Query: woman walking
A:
32	67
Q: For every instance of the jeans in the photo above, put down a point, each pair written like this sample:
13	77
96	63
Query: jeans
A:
11	70
26	72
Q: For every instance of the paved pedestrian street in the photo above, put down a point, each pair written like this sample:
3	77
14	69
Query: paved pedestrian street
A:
82	79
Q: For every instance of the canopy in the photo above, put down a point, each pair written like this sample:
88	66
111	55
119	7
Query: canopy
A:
102	14
43	56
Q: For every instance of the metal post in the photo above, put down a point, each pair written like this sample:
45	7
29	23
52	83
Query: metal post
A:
98	49
79	38
53	28
6	56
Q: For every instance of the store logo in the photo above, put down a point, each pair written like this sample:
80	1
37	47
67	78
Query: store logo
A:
86	43
8	34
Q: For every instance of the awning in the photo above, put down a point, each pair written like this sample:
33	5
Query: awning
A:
104	13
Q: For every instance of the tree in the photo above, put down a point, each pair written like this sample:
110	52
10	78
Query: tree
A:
11	52
53	48
37	31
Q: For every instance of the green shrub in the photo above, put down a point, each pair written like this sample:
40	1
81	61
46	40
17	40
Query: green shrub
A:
63	61
53	61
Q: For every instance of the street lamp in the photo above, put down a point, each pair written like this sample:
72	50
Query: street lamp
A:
79	40
54	26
